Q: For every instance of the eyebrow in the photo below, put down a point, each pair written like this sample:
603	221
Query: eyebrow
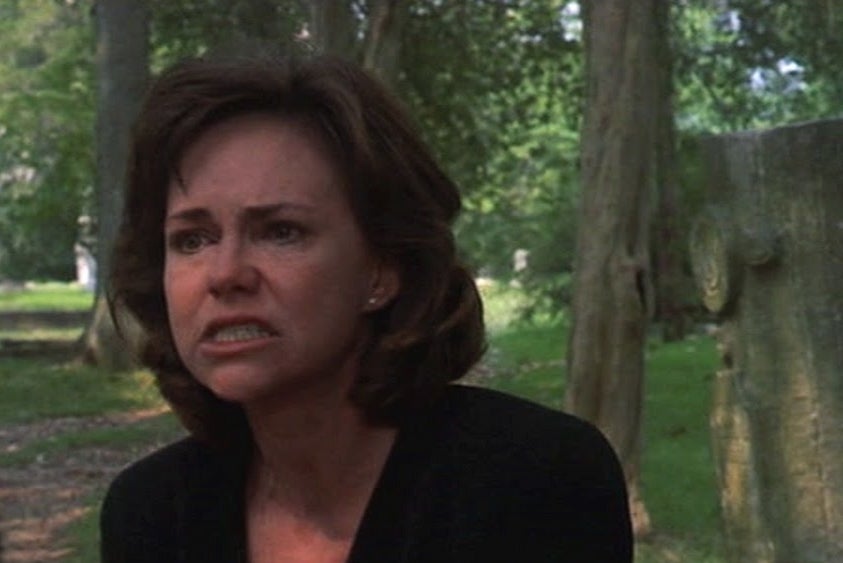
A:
255	212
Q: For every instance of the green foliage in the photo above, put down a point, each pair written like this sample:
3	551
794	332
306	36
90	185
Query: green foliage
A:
497	88
744	64
46	113
189	28
509	137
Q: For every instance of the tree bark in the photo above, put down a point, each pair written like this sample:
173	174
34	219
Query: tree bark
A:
613	294
768	258
382	47
122	53
334	27
670	283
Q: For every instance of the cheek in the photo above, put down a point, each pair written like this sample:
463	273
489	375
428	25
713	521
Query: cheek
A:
179	281
349	283
179	293
170	290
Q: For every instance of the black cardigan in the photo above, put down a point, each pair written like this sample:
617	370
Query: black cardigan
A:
481	476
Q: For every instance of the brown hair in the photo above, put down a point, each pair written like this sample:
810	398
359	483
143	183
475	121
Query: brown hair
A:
431	333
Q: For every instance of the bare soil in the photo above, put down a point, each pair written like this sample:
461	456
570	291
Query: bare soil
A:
40	499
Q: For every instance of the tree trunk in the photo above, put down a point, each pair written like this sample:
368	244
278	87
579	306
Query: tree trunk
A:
612	297
670	281
382	48
122	72
334	27
768	256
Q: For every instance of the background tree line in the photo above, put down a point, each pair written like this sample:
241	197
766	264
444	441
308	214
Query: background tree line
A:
496	86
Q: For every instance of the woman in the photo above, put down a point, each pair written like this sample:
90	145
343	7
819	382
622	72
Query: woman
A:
286	248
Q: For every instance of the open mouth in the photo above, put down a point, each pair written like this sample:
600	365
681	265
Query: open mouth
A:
240	333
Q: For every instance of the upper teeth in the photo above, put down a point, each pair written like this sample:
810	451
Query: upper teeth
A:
240	332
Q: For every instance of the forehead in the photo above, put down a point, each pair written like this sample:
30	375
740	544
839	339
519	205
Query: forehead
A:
254	153
255	136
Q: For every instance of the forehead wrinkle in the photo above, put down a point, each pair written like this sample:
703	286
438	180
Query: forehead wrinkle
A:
253	212
263	211
193	214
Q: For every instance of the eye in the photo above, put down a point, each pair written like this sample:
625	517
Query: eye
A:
283	232
188	242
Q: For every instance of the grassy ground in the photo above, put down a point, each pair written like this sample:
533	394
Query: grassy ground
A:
37	297
33	389
526	360
51	296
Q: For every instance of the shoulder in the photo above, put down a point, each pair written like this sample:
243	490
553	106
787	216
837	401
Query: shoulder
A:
150	486
550	479
149	504
163	470
533	432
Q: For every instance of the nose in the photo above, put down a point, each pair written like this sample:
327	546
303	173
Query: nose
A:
232	271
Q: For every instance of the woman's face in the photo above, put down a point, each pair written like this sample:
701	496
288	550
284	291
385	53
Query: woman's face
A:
267	275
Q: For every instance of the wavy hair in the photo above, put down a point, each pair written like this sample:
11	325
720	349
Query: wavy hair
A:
405	205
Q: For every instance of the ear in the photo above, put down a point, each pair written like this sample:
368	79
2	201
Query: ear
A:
384	286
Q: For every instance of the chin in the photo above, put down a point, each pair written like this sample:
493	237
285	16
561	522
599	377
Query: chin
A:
256	389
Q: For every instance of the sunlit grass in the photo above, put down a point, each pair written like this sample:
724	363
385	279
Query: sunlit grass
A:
67	334
159	428
51	296
501	305
35	388
83	534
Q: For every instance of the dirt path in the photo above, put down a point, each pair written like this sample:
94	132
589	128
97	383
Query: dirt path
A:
40	499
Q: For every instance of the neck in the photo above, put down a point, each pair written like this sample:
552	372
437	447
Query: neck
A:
319	459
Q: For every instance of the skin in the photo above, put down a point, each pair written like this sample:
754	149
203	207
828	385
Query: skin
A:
269	281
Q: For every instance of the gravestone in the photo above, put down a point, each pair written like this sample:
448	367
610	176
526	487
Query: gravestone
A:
768	257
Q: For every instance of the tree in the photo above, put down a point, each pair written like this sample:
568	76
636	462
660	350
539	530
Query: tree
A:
668	243
745	64
496	87
122	69
382	45
190	27
334	27
767	264
45	136
337	27
613	294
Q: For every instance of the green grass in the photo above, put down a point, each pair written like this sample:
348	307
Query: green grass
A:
676	448
66	334
501	305
160	428
83	534
52	296
34	389
527	361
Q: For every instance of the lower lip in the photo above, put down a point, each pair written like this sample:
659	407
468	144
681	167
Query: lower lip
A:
223	349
